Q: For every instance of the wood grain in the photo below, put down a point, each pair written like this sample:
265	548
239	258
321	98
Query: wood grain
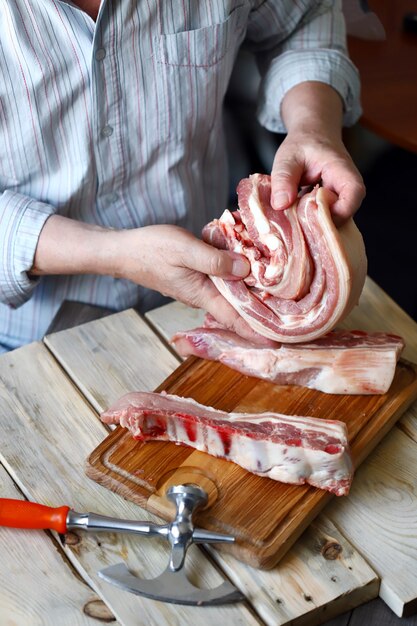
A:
173	318
340	583
29	594
376	311
48	430
358	521
133	358
388	476
266	516
305	580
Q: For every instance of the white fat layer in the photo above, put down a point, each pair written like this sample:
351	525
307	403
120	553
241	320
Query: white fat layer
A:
329	428
337	371
227	218
261	221
332	428
262	224
363	380
271	271
268	328
289	464
271	241
326	428
291	320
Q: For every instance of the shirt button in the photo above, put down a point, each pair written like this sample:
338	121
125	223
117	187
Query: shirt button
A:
106	131
100	54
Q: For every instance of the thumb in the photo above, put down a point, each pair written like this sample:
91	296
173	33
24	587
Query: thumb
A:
285	179
207	259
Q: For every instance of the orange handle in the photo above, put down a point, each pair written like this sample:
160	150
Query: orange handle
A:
22	514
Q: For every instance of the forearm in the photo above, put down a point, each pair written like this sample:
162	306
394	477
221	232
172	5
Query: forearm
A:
313	107
66	246
161	257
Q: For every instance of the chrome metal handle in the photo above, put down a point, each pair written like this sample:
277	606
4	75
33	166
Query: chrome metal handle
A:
187	498
101	523
180	532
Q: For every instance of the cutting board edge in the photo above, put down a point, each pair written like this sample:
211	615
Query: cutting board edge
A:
398	412
265	558
268	556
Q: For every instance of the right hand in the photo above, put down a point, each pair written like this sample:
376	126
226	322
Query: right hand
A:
172	261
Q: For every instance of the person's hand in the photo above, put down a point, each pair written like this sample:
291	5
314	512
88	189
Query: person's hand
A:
313	151
172	261
306	159
165	258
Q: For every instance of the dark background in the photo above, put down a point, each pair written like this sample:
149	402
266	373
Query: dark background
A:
387	219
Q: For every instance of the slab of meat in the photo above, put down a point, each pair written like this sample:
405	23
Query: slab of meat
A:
306	275
348	362
290	449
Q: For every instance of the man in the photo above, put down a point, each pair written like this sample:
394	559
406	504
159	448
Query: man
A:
112	153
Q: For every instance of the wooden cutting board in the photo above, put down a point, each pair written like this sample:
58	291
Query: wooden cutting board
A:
265	516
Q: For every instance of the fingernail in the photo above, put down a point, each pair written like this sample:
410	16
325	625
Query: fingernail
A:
240	268
281	200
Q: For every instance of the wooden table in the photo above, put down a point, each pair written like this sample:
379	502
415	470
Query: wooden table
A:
388	72
51	393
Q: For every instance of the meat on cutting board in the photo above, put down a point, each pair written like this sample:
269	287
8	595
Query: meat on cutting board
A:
342	362
290	449
306	275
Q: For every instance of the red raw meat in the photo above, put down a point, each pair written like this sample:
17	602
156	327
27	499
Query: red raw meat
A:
306	275
348	362
290	449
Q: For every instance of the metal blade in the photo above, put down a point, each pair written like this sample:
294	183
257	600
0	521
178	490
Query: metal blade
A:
173	587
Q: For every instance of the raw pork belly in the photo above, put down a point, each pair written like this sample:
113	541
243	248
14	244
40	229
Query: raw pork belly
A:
349	362
290	449
306	275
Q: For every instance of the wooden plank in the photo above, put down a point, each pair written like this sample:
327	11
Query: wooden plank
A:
37	583
376	311
173	318
305	588
48	431
341	583
408	423
130	359
380	515
280	512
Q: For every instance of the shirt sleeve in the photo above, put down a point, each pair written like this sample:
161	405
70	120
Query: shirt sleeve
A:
296	42
21	221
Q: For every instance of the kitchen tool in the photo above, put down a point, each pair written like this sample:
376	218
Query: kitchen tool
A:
265	515
172	585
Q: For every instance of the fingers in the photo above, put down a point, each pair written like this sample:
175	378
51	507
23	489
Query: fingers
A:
285	179
342	177
225	314
307	159
204	258
350	198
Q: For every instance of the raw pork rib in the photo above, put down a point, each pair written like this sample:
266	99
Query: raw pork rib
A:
290	449
306	275
349	362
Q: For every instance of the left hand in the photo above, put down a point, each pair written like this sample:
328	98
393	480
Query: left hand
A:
306	158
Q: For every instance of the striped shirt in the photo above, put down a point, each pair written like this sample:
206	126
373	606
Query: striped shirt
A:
118	122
